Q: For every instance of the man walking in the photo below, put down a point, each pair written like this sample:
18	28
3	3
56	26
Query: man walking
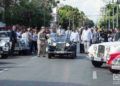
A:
86	38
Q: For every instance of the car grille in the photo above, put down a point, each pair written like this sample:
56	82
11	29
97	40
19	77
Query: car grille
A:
101	50
60	47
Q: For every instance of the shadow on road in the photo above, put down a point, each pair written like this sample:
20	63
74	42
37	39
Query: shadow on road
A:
35	83
2	63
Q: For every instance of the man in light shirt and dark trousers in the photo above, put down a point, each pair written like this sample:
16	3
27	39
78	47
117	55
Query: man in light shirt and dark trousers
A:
75	37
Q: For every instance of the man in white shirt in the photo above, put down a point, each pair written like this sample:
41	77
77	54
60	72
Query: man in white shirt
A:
74	37
86	38
60	31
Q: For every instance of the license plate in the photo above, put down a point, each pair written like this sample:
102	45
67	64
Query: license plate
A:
97	59
116	67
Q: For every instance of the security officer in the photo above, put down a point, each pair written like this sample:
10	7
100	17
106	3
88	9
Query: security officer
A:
41	42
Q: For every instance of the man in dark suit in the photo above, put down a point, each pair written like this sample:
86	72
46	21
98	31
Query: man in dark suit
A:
13	39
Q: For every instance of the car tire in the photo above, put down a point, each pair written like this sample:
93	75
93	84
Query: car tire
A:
114	71
4	56
97	64
50	56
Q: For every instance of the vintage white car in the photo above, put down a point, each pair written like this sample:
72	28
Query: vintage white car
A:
5	45
100	53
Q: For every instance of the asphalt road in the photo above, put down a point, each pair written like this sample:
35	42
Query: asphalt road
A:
34	71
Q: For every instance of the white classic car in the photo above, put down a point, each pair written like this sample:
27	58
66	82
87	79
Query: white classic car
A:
5	45
100	53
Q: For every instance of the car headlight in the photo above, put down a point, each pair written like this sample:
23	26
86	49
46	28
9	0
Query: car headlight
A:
67	44
6	45
54	44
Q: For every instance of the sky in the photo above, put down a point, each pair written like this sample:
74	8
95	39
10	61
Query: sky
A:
90	7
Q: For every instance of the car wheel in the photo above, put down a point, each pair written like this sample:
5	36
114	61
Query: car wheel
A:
4	56
97	64
114	71
50	56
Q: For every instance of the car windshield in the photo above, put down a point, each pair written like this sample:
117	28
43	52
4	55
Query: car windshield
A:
4	34
61	38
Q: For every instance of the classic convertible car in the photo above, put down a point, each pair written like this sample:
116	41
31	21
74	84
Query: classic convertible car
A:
114	61
99	53
61	48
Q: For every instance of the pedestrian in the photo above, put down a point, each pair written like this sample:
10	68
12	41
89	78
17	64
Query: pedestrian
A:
30	41
95	36
86	38
60	31
13	39
117	35
68	33
74	37
34	38
41	42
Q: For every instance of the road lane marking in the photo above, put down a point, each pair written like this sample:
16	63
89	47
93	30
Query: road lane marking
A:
94	75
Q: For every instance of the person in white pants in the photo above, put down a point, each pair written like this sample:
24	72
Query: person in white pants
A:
86	38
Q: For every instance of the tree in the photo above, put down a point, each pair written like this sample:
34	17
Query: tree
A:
106	20
70	16
34	13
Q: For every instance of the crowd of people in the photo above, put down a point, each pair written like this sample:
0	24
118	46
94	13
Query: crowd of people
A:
37	38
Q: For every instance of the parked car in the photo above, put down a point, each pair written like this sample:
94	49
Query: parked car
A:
4	44
21	46
99	53
114	61
61	48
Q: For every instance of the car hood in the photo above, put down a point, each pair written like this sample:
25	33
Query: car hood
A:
109	43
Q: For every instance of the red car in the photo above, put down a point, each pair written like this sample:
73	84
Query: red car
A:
114	62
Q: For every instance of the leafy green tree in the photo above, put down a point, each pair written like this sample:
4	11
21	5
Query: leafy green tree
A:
34	13
70	16
107	20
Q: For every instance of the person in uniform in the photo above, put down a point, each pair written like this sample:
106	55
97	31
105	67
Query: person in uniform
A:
41	42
